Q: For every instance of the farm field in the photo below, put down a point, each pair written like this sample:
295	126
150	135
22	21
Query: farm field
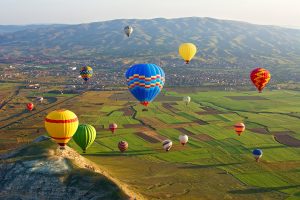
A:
215	164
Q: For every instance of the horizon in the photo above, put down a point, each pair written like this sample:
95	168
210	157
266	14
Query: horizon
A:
48	24
260	12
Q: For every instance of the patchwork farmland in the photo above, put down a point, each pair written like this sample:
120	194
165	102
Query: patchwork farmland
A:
215	164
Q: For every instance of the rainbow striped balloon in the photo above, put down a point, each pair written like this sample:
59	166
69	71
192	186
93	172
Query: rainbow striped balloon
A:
86	73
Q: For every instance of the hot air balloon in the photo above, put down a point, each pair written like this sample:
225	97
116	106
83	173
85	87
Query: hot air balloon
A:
113	127
167	145
40	99
183	139
145	81
86	73
30	106
128	30
257	153
123	146
239	128
84	136
186	100
187	51
61	126
260	78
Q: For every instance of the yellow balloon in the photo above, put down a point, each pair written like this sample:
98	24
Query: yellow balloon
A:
187	51
61	125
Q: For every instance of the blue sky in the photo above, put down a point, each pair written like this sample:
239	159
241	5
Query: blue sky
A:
274	12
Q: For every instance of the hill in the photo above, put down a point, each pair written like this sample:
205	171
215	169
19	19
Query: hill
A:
43	171
217	40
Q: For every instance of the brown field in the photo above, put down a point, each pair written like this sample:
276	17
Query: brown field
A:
201	122
147	137
133	125
259	130
209	111
184	131
203	137
287	140
127	111
253	98
169	106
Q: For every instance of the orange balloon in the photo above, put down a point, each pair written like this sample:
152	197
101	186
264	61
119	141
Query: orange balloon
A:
260	78
239	128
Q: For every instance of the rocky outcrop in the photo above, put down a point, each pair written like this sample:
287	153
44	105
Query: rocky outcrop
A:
43	171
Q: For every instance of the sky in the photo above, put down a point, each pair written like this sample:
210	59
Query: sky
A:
268	12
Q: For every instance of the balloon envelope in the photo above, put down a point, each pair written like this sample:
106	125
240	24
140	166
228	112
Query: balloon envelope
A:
257	153
123	146
40	99
61	125
84	136
186	100
167	144
113	127
86	73
239	128
187	51
260	78
183	139
128	30
30	106
145	81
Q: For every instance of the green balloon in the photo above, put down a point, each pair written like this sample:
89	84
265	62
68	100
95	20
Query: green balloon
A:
84	136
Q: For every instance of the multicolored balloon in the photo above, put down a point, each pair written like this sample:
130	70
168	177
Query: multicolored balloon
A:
167	145
239	128
183	139
84	136
40	99
145	81
86	73
123	146
113	127
257	153
187	51
186	100
61	126
30	106
128	30
260	78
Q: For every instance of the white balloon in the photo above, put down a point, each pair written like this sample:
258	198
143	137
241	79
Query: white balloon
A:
167	144
186	100
183	139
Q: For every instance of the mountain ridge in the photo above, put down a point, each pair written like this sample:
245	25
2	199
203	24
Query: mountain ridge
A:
217	40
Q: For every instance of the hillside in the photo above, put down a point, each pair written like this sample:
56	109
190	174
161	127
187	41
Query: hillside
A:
43	171
217	40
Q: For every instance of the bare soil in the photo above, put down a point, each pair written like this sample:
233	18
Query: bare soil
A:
287	140
147	138
259	130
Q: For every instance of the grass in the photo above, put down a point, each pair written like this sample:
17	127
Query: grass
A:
195	169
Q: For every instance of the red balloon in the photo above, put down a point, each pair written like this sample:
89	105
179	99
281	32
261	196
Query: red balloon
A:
260	78
123	146
30	106
239	128
113	127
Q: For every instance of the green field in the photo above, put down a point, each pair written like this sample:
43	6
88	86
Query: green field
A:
215	164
